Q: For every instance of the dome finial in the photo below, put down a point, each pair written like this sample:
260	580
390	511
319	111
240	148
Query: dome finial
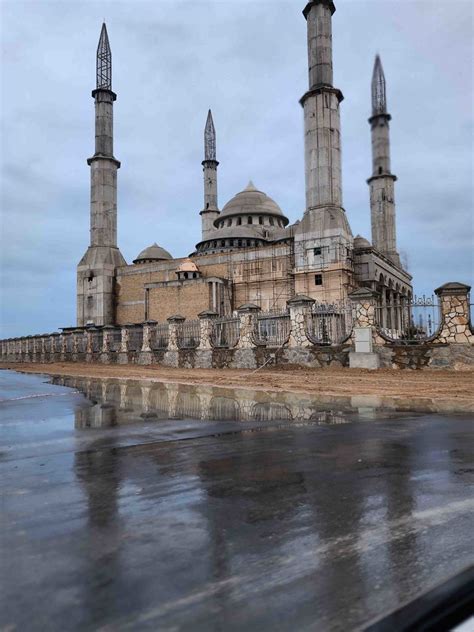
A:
250	186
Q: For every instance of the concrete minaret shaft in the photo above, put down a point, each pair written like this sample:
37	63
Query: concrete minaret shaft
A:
382	181
321	112
210	211
96	270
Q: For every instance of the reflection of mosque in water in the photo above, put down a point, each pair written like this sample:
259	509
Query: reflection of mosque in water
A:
117	402
289	504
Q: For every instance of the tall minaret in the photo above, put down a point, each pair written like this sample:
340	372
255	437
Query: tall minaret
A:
210	211
96	270
382	181
322	126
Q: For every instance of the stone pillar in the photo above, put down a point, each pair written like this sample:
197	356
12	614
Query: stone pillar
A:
104	354
62	347
123	354
300	312
55	347
455	314
174	322
364	301
146	354
89	348
171	356
206	319
248	319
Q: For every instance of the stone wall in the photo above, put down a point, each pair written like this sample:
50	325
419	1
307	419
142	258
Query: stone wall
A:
451	348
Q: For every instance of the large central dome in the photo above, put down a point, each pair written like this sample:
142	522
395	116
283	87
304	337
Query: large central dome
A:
251	202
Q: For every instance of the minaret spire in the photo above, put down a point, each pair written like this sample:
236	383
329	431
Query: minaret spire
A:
210	211
104	61
209	139
379	93
96	270
382	181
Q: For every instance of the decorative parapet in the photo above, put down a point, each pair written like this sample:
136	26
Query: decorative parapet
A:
174	322
300	312
206	319
455	314
248	319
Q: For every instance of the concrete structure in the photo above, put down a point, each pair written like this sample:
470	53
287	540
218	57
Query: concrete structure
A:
248	251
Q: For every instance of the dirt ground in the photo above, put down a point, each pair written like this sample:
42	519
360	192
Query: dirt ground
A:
435	385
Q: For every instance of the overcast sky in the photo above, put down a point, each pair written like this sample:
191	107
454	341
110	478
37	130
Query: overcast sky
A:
246	59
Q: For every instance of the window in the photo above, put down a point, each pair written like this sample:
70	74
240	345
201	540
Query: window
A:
380	170
317	252
318	279
260	220
249	219
271	221
229	222
239	221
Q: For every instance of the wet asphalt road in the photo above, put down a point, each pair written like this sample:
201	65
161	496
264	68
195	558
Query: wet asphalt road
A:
206	525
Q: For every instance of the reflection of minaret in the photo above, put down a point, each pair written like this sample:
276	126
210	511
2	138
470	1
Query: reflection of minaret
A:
382	181
210	211
98	471
96	270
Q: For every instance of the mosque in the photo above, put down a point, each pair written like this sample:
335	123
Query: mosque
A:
248	252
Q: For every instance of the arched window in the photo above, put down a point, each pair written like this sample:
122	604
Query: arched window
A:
380	171
239	221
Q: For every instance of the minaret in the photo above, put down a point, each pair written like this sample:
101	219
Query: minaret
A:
382	181
210	211
323	238
96	270
322	123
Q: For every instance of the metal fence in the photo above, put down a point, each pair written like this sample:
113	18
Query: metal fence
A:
160	336
81	342
225	332
97	340
188	334
135	339
329	324
69	343
409	320
115	340
272	329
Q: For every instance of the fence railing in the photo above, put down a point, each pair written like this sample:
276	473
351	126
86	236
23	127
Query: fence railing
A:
160	337
409	321
188	334
329	324
272	329
225	332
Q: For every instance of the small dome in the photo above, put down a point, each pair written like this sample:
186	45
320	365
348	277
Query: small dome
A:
152	253
361	242
187	266
251	201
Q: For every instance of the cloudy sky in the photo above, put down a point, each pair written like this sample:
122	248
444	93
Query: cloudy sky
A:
246	59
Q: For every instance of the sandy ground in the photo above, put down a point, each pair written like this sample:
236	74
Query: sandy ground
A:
435	385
